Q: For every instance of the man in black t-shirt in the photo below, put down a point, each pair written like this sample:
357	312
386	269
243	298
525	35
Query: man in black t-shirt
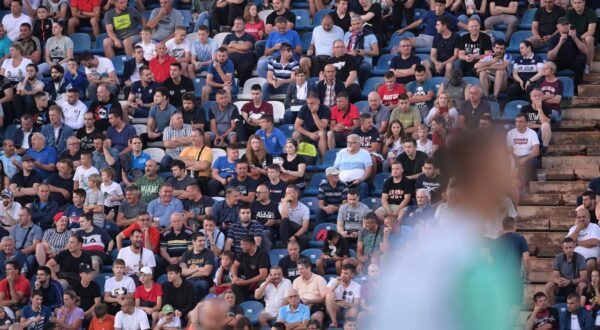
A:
275	185
61	182
193	113
141	94
544	23
289	263
241	48
25	183
312	122
431	181
87	290
266	212
177	84
197	265
397	192
503	12
538	117
65	265
473	46
567	51
542	314
196	206
412	160
444	50
243	182
346	69
102	106
249	269
279	9
404	64
335	250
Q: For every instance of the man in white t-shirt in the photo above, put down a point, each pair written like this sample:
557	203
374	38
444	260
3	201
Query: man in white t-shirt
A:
99	70
136	256
130	317
73	109
524	145
274	290
12	22
343	294
180	48
83	171
587	236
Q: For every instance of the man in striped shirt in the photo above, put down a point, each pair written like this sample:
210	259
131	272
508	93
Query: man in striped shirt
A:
281	71
175	241
245	227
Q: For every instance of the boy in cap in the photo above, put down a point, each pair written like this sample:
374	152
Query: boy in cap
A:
9	209
332	193
168	320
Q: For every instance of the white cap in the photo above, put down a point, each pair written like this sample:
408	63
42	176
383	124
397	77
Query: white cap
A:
146	270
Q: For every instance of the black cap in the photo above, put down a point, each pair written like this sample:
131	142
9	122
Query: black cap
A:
85	268
27	157
563	20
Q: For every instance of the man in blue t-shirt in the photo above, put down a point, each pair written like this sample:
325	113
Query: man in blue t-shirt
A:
280	35
272	137
220	75
223	170
35	315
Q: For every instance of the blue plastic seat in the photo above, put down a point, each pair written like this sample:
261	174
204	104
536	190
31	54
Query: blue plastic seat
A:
276	255
81	42
363	106
328	159
395	40
306	39
512	109
101	278
568	87
119	63
198	84
474	81
312	254
383	64
312	189
438	81
378	182
98	44
527	19
372	202
314	243
515	39
302	19
162	279
287	130
252	310
496	35
371	85
495	109
319	16
187	18
207	105
313	205
147	14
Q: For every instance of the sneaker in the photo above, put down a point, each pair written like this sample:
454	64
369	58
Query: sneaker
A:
587	69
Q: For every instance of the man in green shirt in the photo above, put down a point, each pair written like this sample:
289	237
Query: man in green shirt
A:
410	118
150	183
583	20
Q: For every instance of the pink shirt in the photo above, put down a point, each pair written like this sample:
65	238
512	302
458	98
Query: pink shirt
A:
253	29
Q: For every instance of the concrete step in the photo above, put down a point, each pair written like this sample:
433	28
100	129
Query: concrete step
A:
585	101
577	163
591	77
581	113
560	187
539	277
595	67
541	264
540	199
545	212
530	290
578	125
562	138
588	90
564	174
544	244
552	224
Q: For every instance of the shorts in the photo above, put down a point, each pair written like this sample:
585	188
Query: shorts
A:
228	138
394	207
423	41
317	308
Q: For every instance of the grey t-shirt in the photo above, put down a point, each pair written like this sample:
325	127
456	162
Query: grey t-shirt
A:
383	114
125	24
569	270
129	211
180	185
95	198
55	7
58	48
166	25
223	118
18	234
352	217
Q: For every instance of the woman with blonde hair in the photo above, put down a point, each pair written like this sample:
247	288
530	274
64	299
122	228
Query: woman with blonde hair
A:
443	107
257	158
254	25
393	143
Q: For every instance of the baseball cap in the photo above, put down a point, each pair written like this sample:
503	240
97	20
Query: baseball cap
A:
563	20
332	171
167	309
6	193
85	268
27	158
146	270
58	216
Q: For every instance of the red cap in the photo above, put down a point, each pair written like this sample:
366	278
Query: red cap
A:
58	216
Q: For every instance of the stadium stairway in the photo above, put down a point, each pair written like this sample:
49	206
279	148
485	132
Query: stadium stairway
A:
547	211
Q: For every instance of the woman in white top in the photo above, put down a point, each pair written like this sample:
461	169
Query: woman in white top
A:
14	68
58	50
443	107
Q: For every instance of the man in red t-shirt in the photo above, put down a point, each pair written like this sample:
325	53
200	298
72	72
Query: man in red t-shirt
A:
85	11
160	65
15	288
344	118
253	110
390	90
150	235
551	87
147	294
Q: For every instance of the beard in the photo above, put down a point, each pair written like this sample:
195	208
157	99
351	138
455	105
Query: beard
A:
56	79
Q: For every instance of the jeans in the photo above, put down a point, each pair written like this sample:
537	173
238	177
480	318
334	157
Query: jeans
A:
464	18
289	117
201	286
288	228
203	19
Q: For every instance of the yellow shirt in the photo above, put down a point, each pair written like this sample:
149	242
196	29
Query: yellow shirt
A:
193	153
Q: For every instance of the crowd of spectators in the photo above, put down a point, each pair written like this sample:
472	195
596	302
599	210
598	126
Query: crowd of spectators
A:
144	196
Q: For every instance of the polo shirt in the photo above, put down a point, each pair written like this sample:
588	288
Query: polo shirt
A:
311	289
282	71
237	231
345	118
299	214
161	117
331	195
274	143
45	156
227	68
176	244
301	314
157	209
